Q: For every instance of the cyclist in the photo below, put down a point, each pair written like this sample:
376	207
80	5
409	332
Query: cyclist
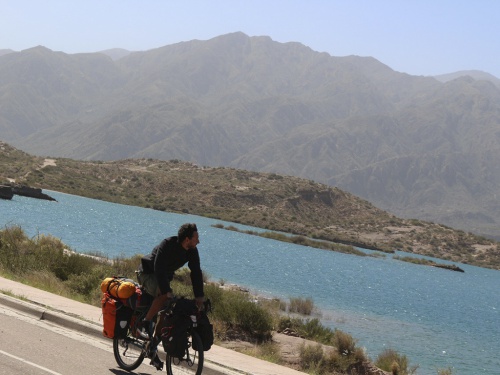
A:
157	269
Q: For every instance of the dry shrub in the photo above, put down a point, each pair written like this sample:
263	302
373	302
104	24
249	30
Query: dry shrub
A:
301	306
445	371
311	357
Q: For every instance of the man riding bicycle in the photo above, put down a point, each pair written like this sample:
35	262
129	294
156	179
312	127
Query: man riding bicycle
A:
157	269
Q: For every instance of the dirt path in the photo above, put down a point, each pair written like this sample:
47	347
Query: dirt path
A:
49	162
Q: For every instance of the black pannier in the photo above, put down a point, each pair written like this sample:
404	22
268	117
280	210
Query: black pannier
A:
206	331
174	335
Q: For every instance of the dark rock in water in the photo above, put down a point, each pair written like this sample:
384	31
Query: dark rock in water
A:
448	267
27	191
6	192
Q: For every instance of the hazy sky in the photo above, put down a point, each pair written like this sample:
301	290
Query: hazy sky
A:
419	37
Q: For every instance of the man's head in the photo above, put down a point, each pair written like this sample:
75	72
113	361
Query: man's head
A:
188	236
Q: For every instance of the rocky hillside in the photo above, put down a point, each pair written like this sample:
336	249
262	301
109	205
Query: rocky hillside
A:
265	200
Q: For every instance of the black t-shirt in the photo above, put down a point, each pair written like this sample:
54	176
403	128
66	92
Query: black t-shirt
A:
168	257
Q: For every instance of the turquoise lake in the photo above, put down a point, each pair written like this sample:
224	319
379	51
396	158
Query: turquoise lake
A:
437	318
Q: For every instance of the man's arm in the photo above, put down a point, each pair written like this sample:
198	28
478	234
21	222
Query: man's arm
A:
196	273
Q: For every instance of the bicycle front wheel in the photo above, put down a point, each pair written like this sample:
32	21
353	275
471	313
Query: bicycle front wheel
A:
192	360
129	352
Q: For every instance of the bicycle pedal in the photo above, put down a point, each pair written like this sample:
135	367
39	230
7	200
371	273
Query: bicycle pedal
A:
157	363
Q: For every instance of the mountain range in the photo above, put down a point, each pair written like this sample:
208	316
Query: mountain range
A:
418	147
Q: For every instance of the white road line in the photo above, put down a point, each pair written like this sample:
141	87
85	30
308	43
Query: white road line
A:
29	363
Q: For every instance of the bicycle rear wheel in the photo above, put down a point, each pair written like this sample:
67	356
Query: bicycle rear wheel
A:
129	352
193	359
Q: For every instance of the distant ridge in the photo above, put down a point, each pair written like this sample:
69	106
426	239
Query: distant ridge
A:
5	51
116	53
411	145
476	74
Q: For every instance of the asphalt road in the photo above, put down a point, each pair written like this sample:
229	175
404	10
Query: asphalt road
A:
30	346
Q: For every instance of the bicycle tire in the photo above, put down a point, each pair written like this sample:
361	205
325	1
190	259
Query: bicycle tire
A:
196	357
129	352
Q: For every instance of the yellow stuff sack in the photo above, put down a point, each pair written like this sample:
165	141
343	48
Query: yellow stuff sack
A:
118	287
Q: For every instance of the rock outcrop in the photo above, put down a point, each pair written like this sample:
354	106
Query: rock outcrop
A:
27	191
6	192
449	267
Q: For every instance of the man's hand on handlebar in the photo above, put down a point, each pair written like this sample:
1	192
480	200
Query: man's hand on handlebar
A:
200	303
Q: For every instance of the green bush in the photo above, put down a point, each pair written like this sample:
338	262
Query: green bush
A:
68	266
15	250
390	360
43	259
84	284
20	254
311	329
240	313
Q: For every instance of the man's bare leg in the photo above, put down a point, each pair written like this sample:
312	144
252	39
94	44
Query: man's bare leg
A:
156	306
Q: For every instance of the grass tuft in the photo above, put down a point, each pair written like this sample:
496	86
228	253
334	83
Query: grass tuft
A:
301	306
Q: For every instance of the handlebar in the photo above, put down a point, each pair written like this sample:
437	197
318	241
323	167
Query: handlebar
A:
207	306
170	303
